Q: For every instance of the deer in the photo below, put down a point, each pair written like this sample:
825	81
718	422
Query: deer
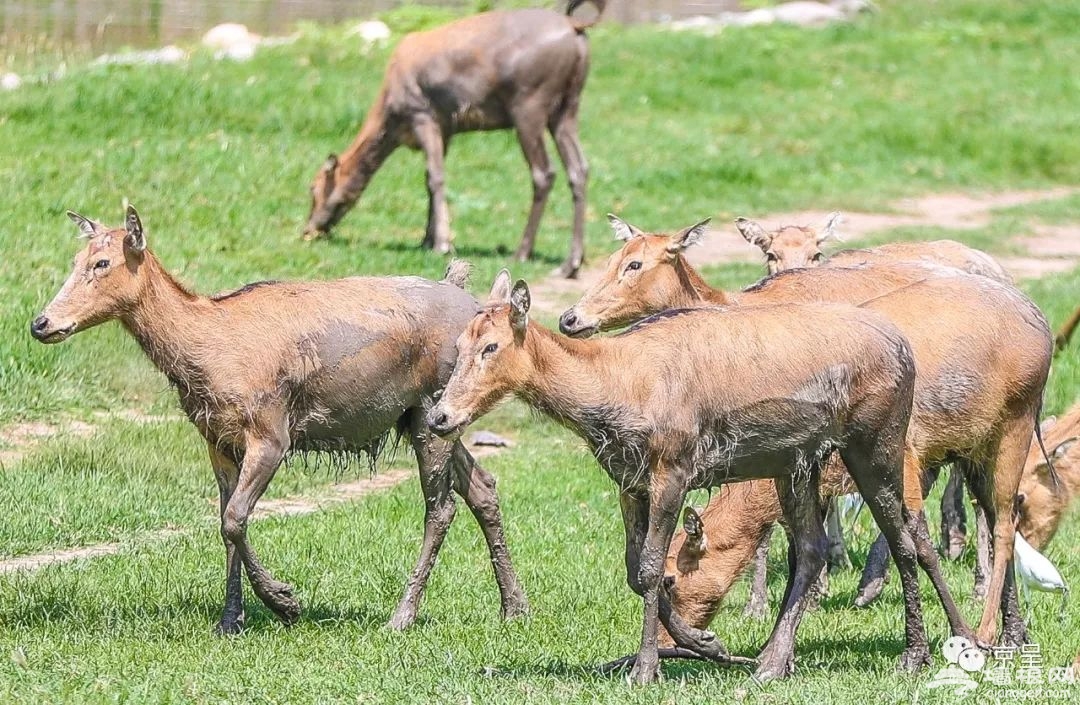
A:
1047	490
275	369
792	247
796	246
520	69
974	406
678	402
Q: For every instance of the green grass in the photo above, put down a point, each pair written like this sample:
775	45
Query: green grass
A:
920	97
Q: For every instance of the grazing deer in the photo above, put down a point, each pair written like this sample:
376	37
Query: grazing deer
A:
976	402
288	367
669	406
1045	494
793	247
521	69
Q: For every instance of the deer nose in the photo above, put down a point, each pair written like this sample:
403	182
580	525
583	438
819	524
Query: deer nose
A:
39	326
437	420
568	321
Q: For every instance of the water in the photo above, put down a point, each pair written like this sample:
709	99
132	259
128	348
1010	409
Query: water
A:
100	26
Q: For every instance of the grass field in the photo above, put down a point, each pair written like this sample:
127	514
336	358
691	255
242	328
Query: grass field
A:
920	97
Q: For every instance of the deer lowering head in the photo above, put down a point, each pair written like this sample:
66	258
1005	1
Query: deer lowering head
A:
107	279
644	277
492	360
790	247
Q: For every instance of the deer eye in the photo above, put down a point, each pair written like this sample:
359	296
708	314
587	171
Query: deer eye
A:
633	266
489	348
771	257
817	257
101	264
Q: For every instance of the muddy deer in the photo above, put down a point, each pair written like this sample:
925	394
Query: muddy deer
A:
976	403
278	368
520	69
795	246
679	402
792	247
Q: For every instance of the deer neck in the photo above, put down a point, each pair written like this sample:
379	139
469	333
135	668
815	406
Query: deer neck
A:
168	323
360	161
695	291
571	381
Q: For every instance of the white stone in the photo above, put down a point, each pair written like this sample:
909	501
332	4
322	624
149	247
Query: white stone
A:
10	81
230	34
371	32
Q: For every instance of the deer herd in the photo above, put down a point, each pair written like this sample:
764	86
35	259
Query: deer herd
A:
865	371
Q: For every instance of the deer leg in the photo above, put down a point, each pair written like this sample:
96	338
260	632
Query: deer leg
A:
530	132
878	473
799	500
876	572
567	143
836	554
433	458
757	607
997	495
227	475
982	553
477	487
666	495
953	516
262	456
429	136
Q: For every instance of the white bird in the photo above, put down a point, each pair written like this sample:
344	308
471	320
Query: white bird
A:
1036	572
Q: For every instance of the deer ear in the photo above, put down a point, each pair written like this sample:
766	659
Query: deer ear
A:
331	164
136	238
1047	424
694	528
87	227
500	288
1062	449
687	237
623	230
754	233
520	301
828	232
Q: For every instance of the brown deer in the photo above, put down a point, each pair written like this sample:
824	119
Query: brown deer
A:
669	406
288	367
976	402
520	69
1045	495
1064	334
794	246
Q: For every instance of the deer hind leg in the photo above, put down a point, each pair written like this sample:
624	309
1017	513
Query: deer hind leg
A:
262	456
997	495
876	572
836	555
529	124
477	487
878	472
429	135
433	458
982	553
757	607
227	474
565	132
953	516
800	502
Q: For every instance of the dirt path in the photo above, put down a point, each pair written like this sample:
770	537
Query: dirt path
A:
1052	249
1049	250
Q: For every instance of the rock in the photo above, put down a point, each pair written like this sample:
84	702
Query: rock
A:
807	14
228	35
165	55
371	32
487	438
10	81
